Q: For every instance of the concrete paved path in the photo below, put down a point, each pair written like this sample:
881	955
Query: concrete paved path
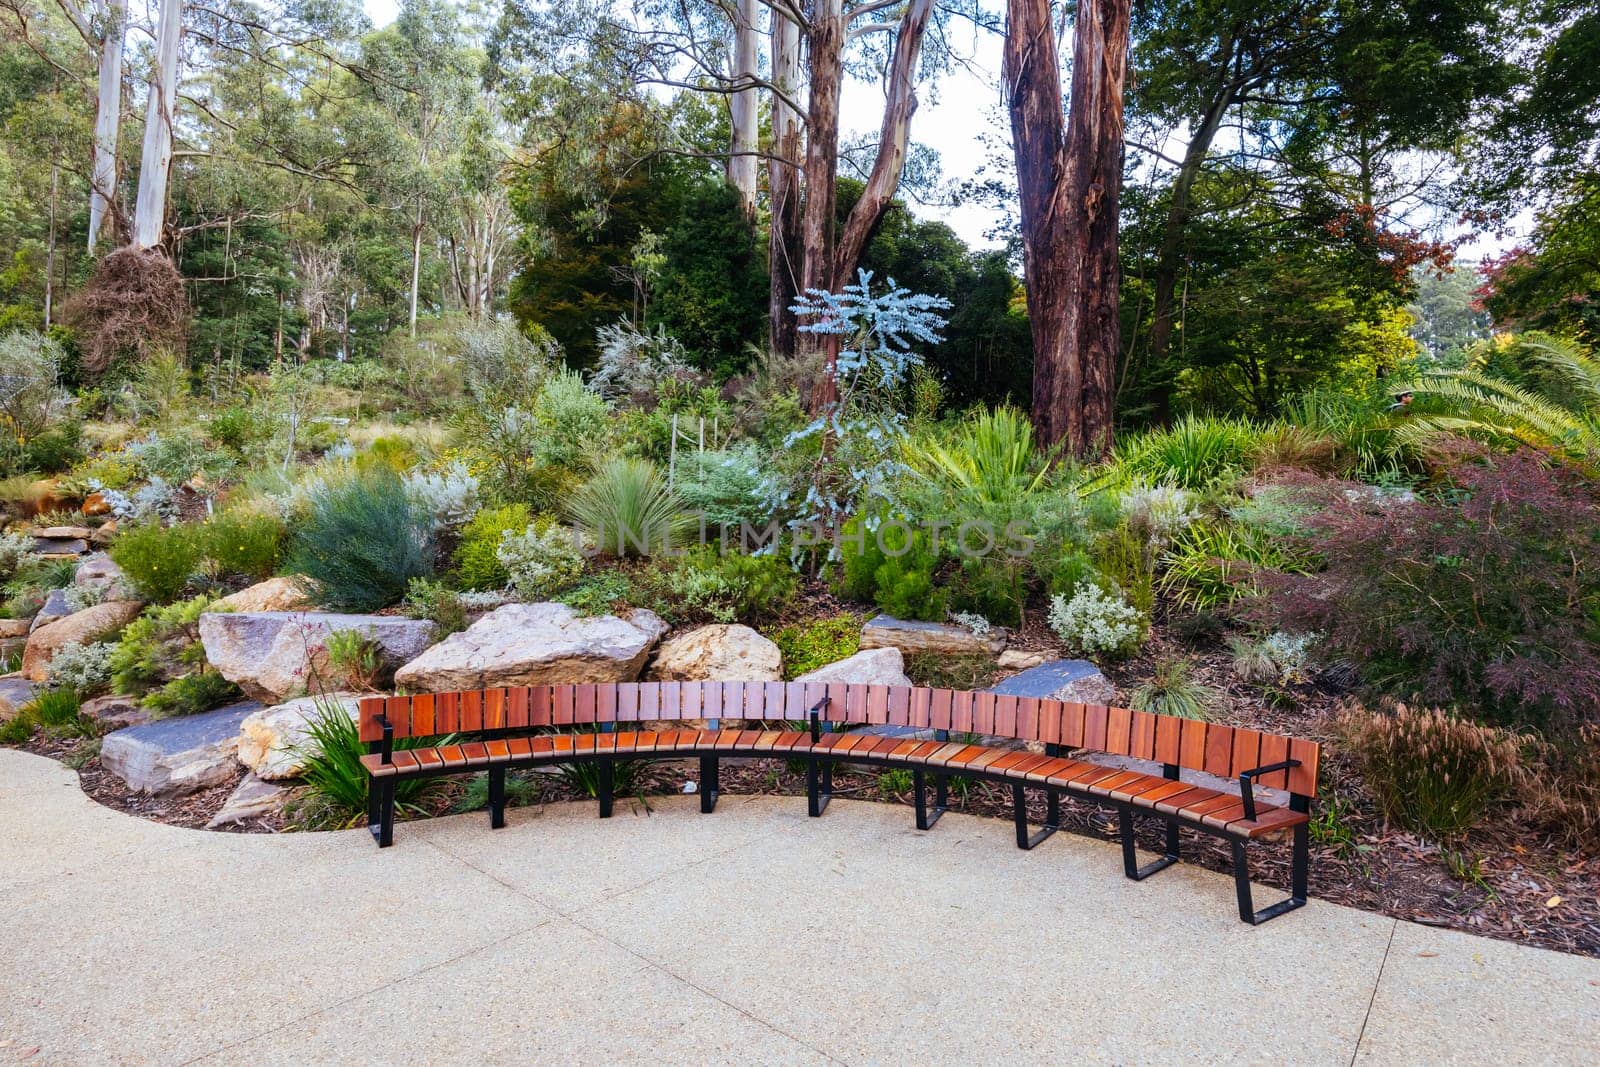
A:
753	935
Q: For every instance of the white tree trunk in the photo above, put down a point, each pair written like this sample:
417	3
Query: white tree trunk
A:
743	106
113	19
416	264
155	163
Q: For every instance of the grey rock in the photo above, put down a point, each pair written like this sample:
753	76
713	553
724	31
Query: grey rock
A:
276	655
15	691
97	569
1075	680
55	607
172	757
874	666
253	798
115	712
57	547
886	631
536	644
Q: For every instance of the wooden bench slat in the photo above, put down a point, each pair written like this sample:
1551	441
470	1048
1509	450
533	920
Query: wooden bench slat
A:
1219	750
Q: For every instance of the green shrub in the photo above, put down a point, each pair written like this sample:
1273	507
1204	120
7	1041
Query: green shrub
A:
55	450
893	567
1196	452
179	455
1127	558
1430	772
627	509
59	711
1213	563
32	582
336	782
84	669
522	789
807	646
1095	620
598	594
18	730
541	562
1171	690
477	559
729	587
361	541
245	545
239	428
730	488
192	694
158	560
434	601
894	784
159	646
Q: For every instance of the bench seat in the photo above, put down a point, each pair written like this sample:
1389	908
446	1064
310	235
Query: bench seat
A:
1216	809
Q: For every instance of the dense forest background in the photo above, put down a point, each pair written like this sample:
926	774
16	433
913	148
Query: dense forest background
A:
1297	180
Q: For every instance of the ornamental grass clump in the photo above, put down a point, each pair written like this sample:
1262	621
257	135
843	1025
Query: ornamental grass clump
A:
336	782
627	509
361	541
1432	773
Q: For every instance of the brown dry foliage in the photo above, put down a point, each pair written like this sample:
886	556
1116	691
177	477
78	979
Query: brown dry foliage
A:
133	302
1562	795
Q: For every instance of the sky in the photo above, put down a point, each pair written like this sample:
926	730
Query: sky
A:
952	119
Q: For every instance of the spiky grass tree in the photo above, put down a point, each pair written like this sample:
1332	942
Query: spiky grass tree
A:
1533	389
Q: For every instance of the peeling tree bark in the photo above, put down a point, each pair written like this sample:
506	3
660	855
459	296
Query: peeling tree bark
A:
784	254
743	107
155	164
113	20
1069	178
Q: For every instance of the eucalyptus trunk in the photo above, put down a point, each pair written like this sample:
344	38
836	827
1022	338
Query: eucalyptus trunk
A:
155	163
784	254
744	107
107	120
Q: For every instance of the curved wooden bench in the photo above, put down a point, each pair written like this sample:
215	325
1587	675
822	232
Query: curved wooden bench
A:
534	725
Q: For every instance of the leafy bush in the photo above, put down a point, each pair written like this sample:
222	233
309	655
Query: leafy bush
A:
597	594
246	545
502	364
178	456
477	558
1095	620
540	562
32	582
729	587
731	487
448	497
84	669
633	365
336	782
436	602
32	399
158	560
14	547
807	646
354	659
1487	596
1430	772
627	509
573	423
892	565
1171	690
361	541
159	658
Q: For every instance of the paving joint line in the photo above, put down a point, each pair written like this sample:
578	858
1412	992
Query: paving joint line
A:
1361	1035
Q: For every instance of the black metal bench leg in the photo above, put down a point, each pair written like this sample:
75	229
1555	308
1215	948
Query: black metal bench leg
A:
374	807
386	814
603	787
1298	880
710	783
919	785
819	786
1130	862
1019	807
497	797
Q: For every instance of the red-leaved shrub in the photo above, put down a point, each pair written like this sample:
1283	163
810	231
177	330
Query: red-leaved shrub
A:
1485	594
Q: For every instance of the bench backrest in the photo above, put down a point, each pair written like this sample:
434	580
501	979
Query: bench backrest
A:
1224	751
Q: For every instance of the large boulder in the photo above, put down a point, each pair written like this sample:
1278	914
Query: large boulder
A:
270	739
13	628
536	644
874	666
722	653
172	757
15	691
274	594
886	631
276	655
81	628
1075	680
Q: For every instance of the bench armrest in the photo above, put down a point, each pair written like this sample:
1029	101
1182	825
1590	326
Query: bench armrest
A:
816	718
1245	793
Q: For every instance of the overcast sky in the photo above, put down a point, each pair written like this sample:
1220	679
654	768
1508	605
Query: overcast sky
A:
952	120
